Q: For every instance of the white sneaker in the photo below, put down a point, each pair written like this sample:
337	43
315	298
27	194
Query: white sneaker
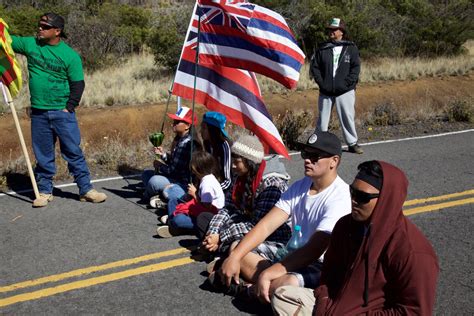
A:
164	231
164	219
156	202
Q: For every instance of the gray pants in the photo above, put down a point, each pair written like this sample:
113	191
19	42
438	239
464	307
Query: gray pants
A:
345	111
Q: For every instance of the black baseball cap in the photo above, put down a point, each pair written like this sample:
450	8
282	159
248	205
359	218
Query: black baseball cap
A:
54	20
323	141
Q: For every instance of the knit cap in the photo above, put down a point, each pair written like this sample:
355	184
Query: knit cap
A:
249	147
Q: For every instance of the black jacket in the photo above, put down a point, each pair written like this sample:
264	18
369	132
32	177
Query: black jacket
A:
347	73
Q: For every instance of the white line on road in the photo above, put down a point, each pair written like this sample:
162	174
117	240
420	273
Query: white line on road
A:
291	154
73	184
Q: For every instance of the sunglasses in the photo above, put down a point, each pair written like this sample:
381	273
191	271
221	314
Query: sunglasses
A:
313	156
45	26
176	122
361	197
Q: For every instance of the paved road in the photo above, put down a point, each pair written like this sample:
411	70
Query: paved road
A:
79	258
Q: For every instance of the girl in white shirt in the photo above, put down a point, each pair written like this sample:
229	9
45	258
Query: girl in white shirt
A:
208	198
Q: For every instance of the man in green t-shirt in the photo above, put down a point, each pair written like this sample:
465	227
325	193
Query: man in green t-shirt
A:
56	85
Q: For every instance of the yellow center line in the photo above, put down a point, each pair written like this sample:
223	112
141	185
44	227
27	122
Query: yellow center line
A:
435	207
93	281
88	270
438	198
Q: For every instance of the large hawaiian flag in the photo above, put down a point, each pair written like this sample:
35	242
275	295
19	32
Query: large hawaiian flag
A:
233	92
247	36
9	67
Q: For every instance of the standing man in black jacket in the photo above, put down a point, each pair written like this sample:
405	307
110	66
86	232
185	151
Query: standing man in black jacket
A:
335	66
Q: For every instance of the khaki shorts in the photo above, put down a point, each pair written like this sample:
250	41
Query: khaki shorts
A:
293	300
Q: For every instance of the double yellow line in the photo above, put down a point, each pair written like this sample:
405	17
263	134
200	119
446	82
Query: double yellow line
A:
424	205
439	206
95	280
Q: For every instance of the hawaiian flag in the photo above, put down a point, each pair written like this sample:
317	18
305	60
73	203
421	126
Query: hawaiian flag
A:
242	35
9	68
233	92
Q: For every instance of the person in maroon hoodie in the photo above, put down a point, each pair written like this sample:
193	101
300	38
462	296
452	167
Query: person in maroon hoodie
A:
378	262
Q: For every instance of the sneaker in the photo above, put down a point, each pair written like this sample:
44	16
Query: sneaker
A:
211	266
42	200
215	282
164	219
164	231
156	202
236	290
93	196
355	149
240	290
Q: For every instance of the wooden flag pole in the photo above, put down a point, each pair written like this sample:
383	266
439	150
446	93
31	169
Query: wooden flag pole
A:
8	99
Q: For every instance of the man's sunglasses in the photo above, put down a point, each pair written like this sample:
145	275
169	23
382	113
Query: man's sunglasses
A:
361	197
45	26
313	156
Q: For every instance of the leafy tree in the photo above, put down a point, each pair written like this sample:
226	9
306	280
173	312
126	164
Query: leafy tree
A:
165	42
133	25
22	20
167	34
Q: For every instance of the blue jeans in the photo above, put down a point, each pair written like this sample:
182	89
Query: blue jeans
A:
154	184
175	195
158	184
182	221
46	127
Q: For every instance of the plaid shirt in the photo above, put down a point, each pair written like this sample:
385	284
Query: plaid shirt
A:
177	169
231	224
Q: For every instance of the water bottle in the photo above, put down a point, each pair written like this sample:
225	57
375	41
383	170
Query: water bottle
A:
296	240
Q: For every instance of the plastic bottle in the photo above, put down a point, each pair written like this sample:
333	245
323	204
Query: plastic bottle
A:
296	240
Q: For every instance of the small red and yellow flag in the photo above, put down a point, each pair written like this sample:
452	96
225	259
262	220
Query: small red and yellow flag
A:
9	67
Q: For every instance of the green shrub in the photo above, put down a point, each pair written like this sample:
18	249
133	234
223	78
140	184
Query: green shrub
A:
109	101
133	25
166	42
383	115
291	125
22	21
460	111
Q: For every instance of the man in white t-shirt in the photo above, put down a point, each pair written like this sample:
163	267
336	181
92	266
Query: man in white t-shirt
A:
315	203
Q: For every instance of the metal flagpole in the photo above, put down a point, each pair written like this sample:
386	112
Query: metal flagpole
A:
8	99
166	109
196	69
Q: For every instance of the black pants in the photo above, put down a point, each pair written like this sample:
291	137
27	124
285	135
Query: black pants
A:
202	223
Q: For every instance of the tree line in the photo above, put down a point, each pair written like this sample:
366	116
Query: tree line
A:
105	32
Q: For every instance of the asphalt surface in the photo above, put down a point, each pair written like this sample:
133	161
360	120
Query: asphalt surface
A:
69	235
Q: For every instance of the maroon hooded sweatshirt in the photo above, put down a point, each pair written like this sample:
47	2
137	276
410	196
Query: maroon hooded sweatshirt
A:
385	266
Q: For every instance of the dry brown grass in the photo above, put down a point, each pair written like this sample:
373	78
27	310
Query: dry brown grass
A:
115	138
139	81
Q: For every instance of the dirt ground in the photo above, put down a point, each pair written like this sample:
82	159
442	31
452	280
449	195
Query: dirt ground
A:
133	123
